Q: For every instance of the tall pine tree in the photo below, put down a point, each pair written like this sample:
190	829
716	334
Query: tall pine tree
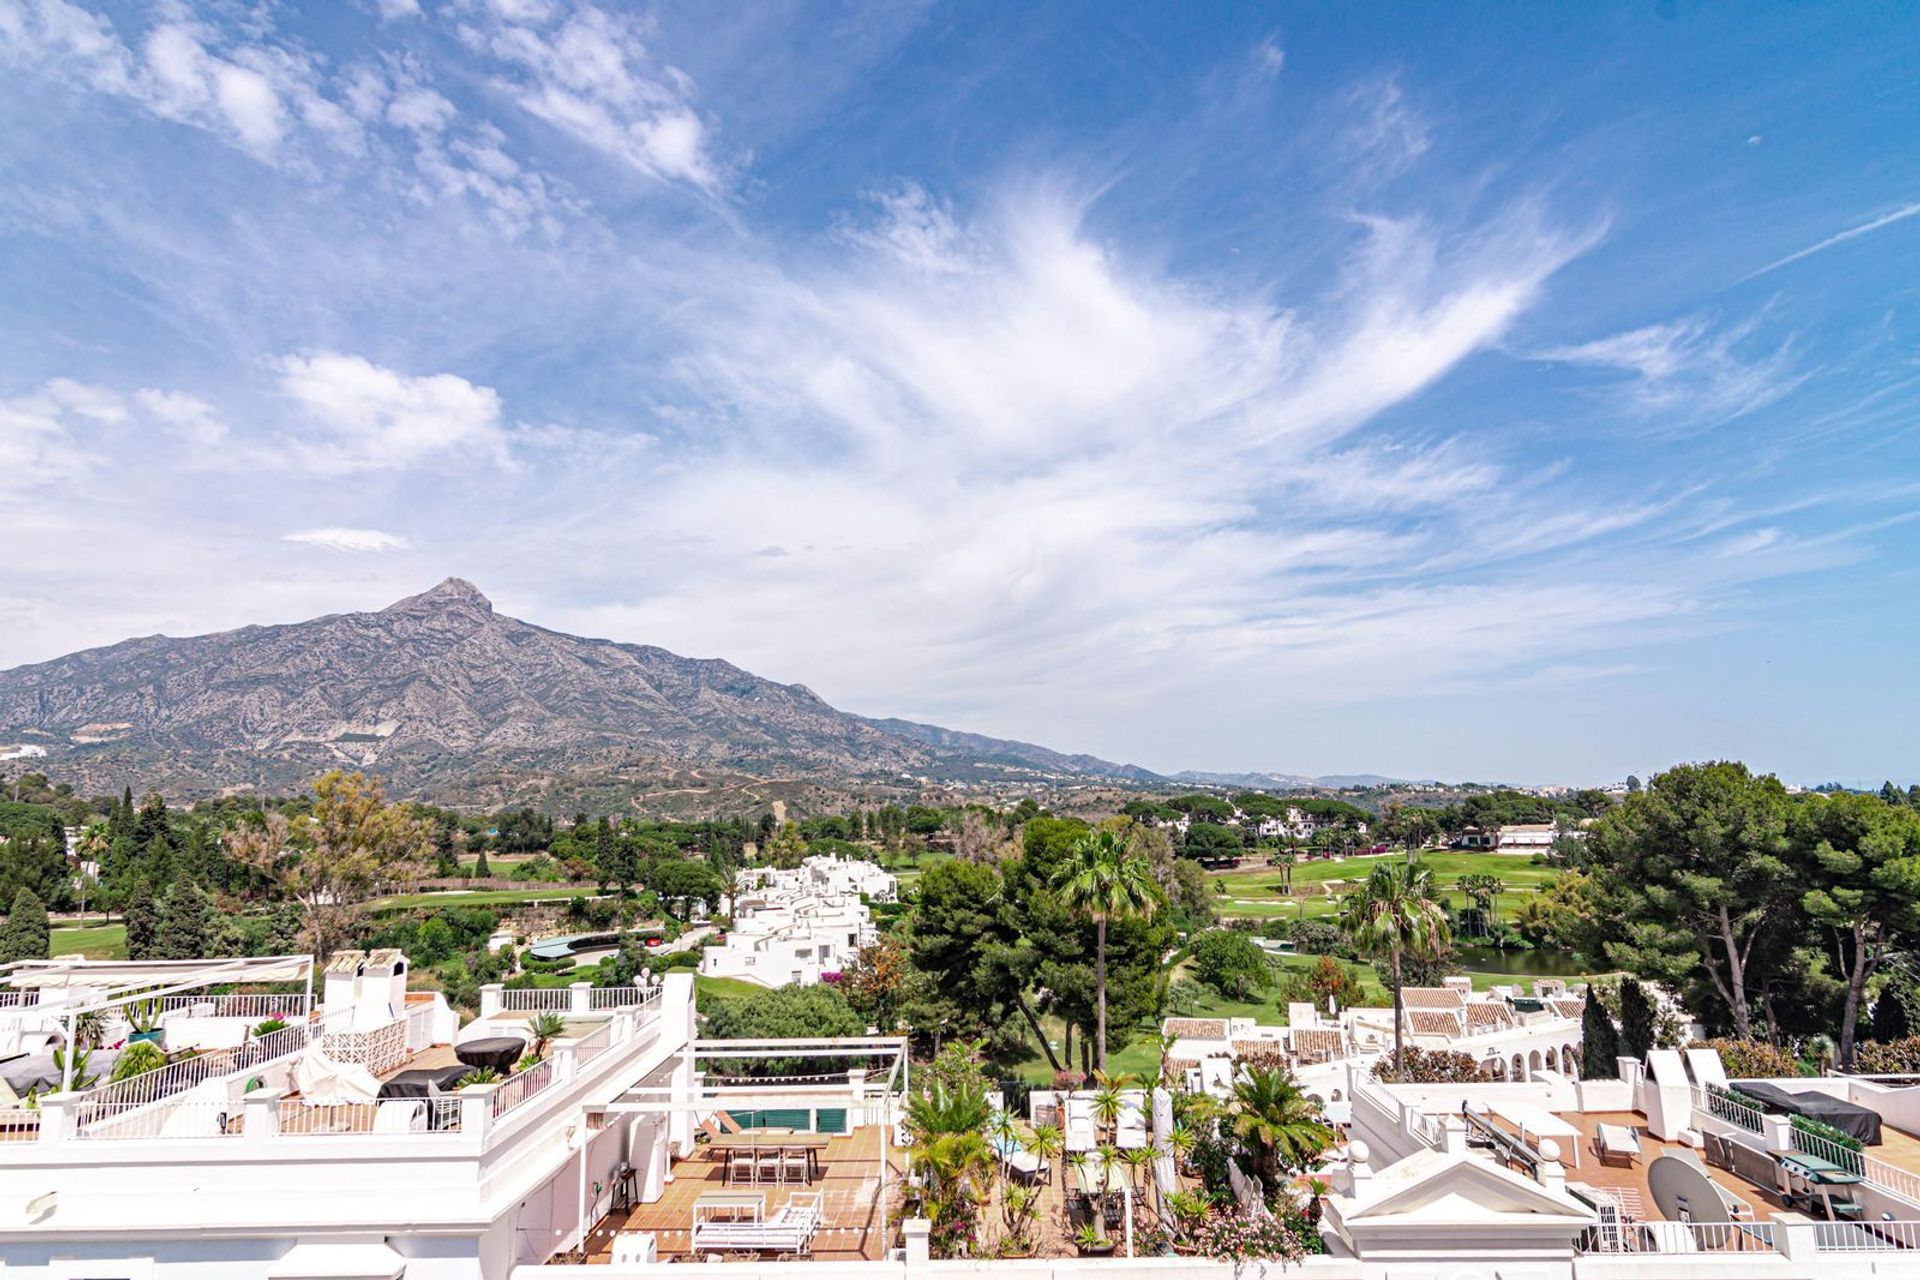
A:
25	935
143	920
185	920
1599	1046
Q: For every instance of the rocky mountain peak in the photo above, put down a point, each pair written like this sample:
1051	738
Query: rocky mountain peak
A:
452	593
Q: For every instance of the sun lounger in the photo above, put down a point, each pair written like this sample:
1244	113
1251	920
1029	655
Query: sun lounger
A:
1026	1164
1130	1130
1616	1142
1081	1133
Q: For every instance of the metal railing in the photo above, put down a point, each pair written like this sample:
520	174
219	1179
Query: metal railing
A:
1878	1173
178	1077
1699	1237
1722	1105
536	1000
169	1118
520	1086
593	1044
622	997
289	1008
351	1119
1865	1237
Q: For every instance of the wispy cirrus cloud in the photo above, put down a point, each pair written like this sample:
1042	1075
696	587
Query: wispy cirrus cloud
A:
1689	374
348	541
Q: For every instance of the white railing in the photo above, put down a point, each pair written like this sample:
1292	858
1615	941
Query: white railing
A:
419	1025
593	1044
177	1077
1722	1105
19	1124
351	1119
260	1008
520	1086
169	1118
1699	1237
1865	1237
536	1000
622	997
19	999
1878	1173
379	1050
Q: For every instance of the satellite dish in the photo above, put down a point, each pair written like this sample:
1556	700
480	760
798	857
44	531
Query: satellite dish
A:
1683	1192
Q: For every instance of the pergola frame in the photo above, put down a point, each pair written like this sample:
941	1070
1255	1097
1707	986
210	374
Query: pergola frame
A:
143	980
663	1100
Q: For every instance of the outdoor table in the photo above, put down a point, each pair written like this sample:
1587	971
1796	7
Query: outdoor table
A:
497	1052
415	1083
758	1142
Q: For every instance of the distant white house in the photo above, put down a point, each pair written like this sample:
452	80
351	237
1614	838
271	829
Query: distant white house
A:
794	926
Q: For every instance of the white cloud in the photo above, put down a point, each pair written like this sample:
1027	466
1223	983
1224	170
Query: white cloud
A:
1868	227
46	435
1688	374
189	417
350	541
364	417
592	77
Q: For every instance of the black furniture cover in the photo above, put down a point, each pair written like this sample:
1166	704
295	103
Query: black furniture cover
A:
498	1052
413	1084
1844	1116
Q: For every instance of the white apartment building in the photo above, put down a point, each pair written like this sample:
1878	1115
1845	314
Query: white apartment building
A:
796	925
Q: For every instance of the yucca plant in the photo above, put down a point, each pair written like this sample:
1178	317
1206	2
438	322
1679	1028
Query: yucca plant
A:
545	1028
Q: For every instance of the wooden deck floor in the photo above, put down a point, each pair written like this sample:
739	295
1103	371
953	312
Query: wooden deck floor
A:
850	1200
1634	1179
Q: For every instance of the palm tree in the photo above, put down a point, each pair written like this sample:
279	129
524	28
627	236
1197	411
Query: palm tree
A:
1107	1101
950	1151
1046	1145
1393	914
1280	1123
1102	878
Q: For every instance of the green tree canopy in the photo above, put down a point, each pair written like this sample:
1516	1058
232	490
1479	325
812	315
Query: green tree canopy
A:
25	935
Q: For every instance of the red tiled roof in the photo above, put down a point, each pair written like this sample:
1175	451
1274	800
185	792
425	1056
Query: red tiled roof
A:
1433	1022
1488	1014
1431	998
1198	1028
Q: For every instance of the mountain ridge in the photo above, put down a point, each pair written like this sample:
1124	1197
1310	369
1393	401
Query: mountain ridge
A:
438	686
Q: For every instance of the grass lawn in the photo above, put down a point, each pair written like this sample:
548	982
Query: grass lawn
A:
705	988
96	942
483	897
1253	893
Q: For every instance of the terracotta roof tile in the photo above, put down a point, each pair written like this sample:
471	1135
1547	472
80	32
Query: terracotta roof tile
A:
1433	1022
1431	998
1198	1028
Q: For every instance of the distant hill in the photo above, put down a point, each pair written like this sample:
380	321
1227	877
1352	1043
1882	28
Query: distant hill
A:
1283	781
438	691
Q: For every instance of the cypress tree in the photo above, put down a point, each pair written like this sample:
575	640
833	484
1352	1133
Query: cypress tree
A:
185	919
143	920
25	935
1599	1045
1637	1029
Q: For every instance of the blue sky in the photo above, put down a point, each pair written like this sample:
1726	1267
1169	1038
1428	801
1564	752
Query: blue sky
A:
1511	391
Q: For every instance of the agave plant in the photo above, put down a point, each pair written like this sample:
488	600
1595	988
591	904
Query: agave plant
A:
479	1075
1107	1102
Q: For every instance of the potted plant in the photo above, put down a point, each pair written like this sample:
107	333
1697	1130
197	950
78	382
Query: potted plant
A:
544	1028
143	1016
1091	1241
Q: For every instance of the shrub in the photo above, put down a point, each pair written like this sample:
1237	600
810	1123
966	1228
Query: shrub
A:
1429	1066
268	1027
137	1059
1889	1057
1821	1129
1231	963
1751	1059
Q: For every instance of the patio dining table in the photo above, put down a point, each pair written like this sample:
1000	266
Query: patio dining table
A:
779	1143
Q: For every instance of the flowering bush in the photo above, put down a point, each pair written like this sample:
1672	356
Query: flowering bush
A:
1889	1057
1429	1066
1233	1236
1068	1079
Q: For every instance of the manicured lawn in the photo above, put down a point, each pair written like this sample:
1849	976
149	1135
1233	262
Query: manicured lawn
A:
483	897
705	988
1253	892
96	942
